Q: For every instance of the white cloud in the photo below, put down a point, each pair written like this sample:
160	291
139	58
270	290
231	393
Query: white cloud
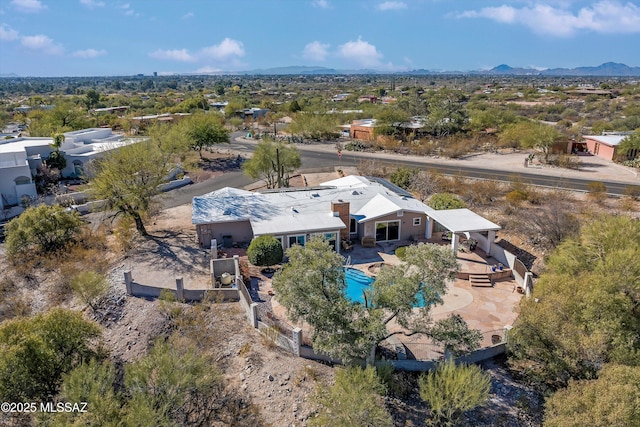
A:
391	5
602	17
92	3
7	33
227	48
361	52
322	4
28	6
188	15
41	43
89	53
315	51
127	10
181	55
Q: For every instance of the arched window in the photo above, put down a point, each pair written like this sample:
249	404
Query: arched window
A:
21	180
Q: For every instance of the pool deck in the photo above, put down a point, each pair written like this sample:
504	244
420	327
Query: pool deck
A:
487	309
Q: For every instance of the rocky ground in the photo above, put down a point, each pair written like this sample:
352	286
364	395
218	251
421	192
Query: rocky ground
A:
278	383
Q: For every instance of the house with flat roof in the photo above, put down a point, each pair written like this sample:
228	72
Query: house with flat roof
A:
21	157
605	145
348	208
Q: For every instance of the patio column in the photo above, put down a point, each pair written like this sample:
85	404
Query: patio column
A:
491	236
428	228
454	243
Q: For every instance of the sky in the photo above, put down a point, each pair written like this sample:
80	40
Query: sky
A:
54	38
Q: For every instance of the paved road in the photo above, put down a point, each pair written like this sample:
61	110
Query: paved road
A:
325	156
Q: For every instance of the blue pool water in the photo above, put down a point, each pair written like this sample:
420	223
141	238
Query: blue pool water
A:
357	282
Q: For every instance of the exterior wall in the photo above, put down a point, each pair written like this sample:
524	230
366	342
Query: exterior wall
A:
240	231
12	166
599	149
407	229
364	133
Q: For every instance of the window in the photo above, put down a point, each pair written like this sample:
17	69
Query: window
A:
297	240
22	180
353	226
417	221
387	230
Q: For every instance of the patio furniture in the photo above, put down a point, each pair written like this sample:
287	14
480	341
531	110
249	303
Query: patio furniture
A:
368	242
446	235
347	245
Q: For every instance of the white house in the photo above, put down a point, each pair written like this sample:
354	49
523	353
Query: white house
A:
350	208
21	157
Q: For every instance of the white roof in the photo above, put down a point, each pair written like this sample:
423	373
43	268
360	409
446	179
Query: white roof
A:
461	220
302	210
19	144
607	139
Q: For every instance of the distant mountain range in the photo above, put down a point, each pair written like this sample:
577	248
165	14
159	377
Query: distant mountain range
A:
609	69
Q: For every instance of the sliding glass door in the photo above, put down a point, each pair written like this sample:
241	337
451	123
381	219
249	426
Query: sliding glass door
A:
387	230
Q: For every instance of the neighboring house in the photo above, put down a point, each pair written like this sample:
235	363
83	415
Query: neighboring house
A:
363	129
21	157
348	208
604	145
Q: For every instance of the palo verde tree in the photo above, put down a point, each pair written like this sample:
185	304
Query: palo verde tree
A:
41	229
584	313
273	162
311	286
127	179
204	131
529	134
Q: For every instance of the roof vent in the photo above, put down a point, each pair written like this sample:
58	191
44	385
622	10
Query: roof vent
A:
354	193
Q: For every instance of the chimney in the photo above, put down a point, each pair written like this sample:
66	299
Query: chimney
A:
340	209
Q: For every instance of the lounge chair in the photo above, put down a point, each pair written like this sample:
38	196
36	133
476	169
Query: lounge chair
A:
368	242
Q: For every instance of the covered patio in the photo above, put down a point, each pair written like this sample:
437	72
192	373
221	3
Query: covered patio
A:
464	222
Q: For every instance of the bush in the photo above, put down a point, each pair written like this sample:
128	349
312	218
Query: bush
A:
41	230
443	201
401	252
452	390
265	251
516	197
597	191
354	400
403	177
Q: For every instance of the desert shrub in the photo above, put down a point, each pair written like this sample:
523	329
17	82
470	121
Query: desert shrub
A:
265	251
455	148
353	401
372	168
37	351
452	390
41	230
597	191
89	286
426	183
401	252
482	192
442	201
403	176
610	400
516	197
633	192
125	234
565	161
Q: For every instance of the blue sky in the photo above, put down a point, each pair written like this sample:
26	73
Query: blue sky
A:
105	37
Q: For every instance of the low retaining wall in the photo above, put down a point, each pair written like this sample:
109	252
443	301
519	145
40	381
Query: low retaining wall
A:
427	365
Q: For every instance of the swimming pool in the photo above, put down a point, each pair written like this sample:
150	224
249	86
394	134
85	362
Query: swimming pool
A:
357	282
